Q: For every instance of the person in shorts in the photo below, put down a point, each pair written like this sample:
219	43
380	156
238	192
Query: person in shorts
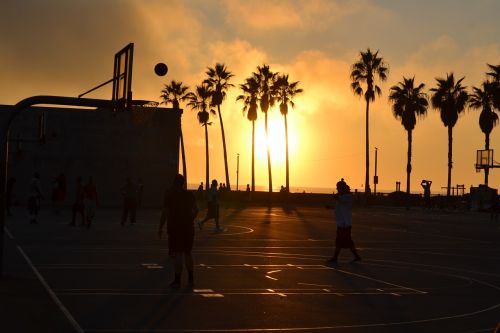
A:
180	210
213	207
343	218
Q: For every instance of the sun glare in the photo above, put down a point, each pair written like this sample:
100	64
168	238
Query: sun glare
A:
276	140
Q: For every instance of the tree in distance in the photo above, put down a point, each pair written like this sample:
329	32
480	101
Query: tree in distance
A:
284	93
249	96
173	93
218	82
265	78
366	70
450	98
408	102
482	99
200	100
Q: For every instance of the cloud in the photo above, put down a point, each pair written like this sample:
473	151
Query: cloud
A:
295	14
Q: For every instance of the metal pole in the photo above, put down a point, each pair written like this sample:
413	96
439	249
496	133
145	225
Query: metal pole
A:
237	170
375	177
4	141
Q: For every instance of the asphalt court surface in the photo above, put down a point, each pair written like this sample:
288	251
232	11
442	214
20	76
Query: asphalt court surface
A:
422	271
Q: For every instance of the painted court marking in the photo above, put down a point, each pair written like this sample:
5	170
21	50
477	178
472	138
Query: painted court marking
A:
54	297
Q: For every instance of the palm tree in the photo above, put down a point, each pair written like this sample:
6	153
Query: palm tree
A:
200	100
249	97
409	101
284	93
483	99
173	93
450	98
265	79
495	87
368	68
218	82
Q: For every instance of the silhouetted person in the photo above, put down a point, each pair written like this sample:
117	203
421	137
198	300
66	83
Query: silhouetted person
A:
343	218
34	197
59	192
140	190
129	192
495	206
90	201
78	205
248	188
200	191
9	191
426	185
180	208
213	207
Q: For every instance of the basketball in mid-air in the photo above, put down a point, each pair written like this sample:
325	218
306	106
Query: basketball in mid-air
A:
161	69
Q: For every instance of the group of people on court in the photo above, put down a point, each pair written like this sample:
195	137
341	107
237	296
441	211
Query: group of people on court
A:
85	199
180	211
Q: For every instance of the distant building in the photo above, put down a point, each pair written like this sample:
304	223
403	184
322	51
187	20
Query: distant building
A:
142	143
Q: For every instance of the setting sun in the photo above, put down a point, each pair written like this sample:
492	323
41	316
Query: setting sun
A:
276	139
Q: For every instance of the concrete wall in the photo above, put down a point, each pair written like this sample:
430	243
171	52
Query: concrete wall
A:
142	144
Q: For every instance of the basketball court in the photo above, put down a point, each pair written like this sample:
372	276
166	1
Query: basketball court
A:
421	271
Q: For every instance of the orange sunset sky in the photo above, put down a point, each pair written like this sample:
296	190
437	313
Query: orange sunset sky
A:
60	47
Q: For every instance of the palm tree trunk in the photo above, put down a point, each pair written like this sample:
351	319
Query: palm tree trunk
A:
450	155
228	184
183	154
207	159
287	165
487	147
253	156
268	158
367	177
408	165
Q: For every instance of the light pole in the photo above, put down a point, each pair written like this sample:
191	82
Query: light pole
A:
375	177
237	170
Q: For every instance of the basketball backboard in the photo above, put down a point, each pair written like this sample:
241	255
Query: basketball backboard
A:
484	159
122	78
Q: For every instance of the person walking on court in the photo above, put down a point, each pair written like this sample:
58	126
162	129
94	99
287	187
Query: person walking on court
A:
34	197
213	207
129	192
343	218
90	201
180	211
78	205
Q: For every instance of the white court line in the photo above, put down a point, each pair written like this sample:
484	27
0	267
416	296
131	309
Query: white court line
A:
54	297
380	281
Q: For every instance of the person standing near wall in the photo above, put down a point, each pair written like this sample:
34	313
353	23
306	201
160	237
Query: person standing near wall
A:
78	205
129	192
90	201
34	197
